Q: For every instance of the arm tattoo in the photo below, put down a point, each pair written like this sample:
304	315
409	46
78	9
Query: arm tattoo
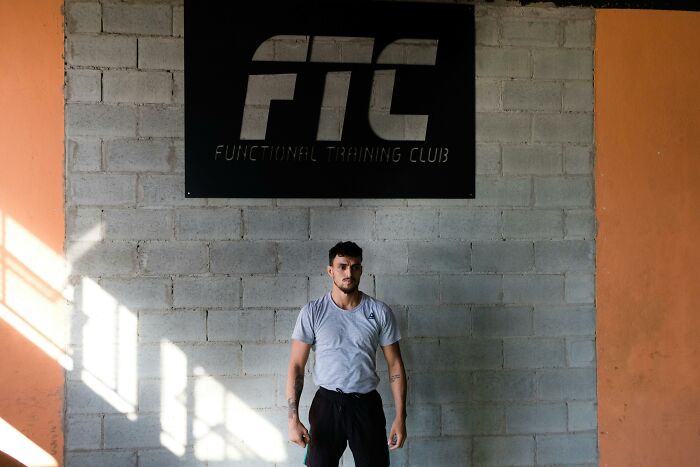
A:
395	377
293	404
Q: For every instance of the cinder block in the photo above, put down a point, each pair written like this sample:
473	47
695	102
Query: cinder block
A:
101	458
176	326
284	324
129	155
580	224
566	384
404	223
531	32
101	51
565	320
137	19
139	293
563	128
503	62
138	224
564	256
562	64
578	96
504	450
502	191
564	191
178	87
457	353
215	359
178	164
488	95
439	387
265	359
536	159
582	415
578	33
343	223
213	291
154	87
101	258
580	288
408	289
581	352
533	288
504	127
162	121
144	432
379	257
208	224
173	257
243	257
83	17
84	154
532	95
574	448
84	224
82	399
102	189
277	291
166	458
486	31
164	190
276	224
578	159
317	202
470	223
242	202
178	21
161	53
83	432
305	257
256	392
501	321
320	285
500	256
534	353
83	86
452	451
242	325
472	419
503	385
438	256
439	321
533	224
470	288
536	418
488	159
100	120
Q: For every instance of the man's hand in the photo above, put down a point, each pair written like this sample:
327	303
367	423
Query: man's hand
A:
298	434
397	435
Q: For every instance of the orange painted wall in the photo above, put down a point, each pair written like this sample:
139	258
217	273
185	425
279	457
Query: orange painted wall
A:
31	195
647	102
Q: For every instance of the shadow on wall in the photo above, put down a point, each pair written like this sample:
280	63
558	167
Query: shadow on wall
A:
173	388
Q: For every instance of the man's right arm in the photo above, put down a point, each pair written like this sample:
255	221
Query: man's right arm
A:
298	433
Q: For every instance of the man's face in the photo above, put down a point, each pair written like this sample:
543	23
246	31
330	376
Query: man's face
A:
345	272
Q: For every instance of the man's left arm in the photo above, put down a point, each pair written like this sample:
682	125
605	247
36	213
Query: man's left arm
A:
397	379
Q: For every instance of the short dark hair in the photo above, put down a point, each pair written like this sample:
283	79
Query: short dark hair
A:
348	249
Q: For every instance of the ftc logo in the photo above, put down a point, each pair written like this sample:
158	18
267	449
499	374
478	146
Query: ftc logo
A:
263	89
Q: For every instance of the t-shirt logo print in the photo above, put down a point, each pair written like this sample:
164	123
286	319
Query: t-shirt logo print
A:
371	316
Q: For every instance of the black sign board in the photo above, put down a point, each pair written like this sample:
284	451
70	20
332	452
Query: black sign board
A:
341	100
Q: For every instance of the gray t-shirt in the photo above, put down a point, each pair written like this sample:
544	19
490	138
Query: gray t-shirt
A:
345	341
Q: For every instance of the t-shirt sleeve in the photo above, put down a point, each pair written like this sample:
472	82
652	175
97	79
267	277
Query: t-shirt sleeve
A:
303	329
390	329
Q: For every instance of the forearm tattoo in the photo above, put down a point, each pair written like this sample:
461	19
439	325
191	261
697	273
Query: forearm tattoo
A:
395	377
293	404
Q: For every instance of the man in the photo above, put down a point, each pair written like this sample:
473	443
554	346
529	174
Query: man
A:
344	327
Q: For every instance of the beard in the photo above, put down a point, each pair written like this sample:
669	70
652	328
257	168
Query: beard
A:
348	288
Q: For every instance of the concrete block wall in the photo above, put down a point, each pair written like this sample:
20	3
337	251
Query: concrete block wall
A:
182	308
